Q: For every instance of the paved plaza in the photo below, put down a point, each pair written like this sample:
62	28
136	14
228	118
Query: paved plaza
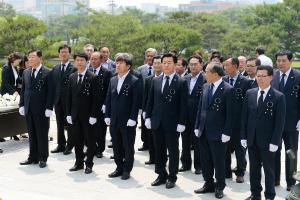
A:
55	182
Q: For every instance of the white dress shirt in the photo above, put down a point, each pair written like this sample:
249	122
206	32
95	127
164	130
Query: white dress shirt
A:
216	85
193	82
164	80
265	60
234	79
121	81
15	74
66	65
83	73
266	90
36	71
287	73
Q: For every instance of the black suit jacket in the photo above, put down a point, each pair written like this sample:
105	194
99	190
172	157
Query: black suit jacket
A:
193	98
216	116
170	108
102	82
263	127
8	80
38	95
253	84
147	86
82	99
240	88
125	105
61	82
292	98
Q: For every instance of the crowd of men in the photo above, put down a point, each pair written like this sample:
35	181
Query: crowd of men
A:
217	107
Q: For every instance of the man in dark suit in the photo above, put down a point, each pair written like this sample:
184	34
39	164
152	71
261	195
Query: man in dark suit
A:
195	82
213	127
157	72
103	78
262	125
60	74
166	115
82	111
36	104
122	107
240	85
242	66
251	68
287	81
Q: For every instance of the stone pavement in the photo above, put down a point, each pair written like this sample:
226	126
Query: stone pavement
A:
55	182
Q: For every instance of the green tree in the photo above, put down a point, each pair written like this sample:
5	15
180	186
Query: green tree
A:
6	10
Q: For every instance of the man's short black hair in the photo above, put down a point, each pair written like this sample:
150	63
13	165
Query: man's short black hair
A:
38	52
268	68
260	50
217	68
169	55
196	57
235	61
257	61
286	53
64	46
155	58
81	55
184	62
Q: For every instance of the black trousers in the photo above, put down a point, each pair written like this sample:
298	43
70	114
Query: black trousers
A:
61	123
189	139
212	154
262	158
166	140
38	128
144	133
82	132
99	130
123	139
151	147
240	153
290	139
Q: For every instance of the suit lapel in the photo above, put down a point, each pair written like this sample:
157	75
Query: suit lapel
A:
218	92
289	81
125	83
199	79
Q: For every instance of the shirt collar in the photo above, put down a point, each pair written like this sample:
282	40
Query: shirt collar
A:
38	68
66	64
97	69
217	83
83	73
287	73
158	75
235	77
266	90
171	76
124	76
196	77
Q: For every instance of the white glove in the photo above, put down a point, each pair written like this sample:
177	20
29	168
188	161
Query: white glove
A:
196	131
107	121
92	120
69	120
140	111
144	115
273	148
48	113
22	111
298	126
131	123
225	138
103	109
244	143
148	123
180	128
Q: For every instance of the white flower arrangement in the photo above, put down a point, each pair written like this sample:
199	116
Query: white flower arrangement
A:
9	100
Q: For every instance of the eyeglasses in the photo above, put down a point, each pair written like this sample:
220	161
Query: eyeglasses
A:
262	76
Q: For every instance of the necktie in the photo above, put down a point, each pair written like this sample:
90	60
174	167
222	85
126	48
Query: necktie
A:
33	75
281	84
80	79
95	71
167	84
149	72
210	93
63	68
260	101
231	81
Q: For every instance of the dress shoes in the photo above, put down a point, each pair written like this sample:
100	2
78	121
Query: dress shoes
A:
143	148
1	151
125	176
58	149
198	171
239	179
170	184
219	194
110	146
184	169
112	157
99	155
88	170
29	162
16	138
149	162
205	189
76	168
42	164
254	197
68	150
115	174
159	181
2	140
